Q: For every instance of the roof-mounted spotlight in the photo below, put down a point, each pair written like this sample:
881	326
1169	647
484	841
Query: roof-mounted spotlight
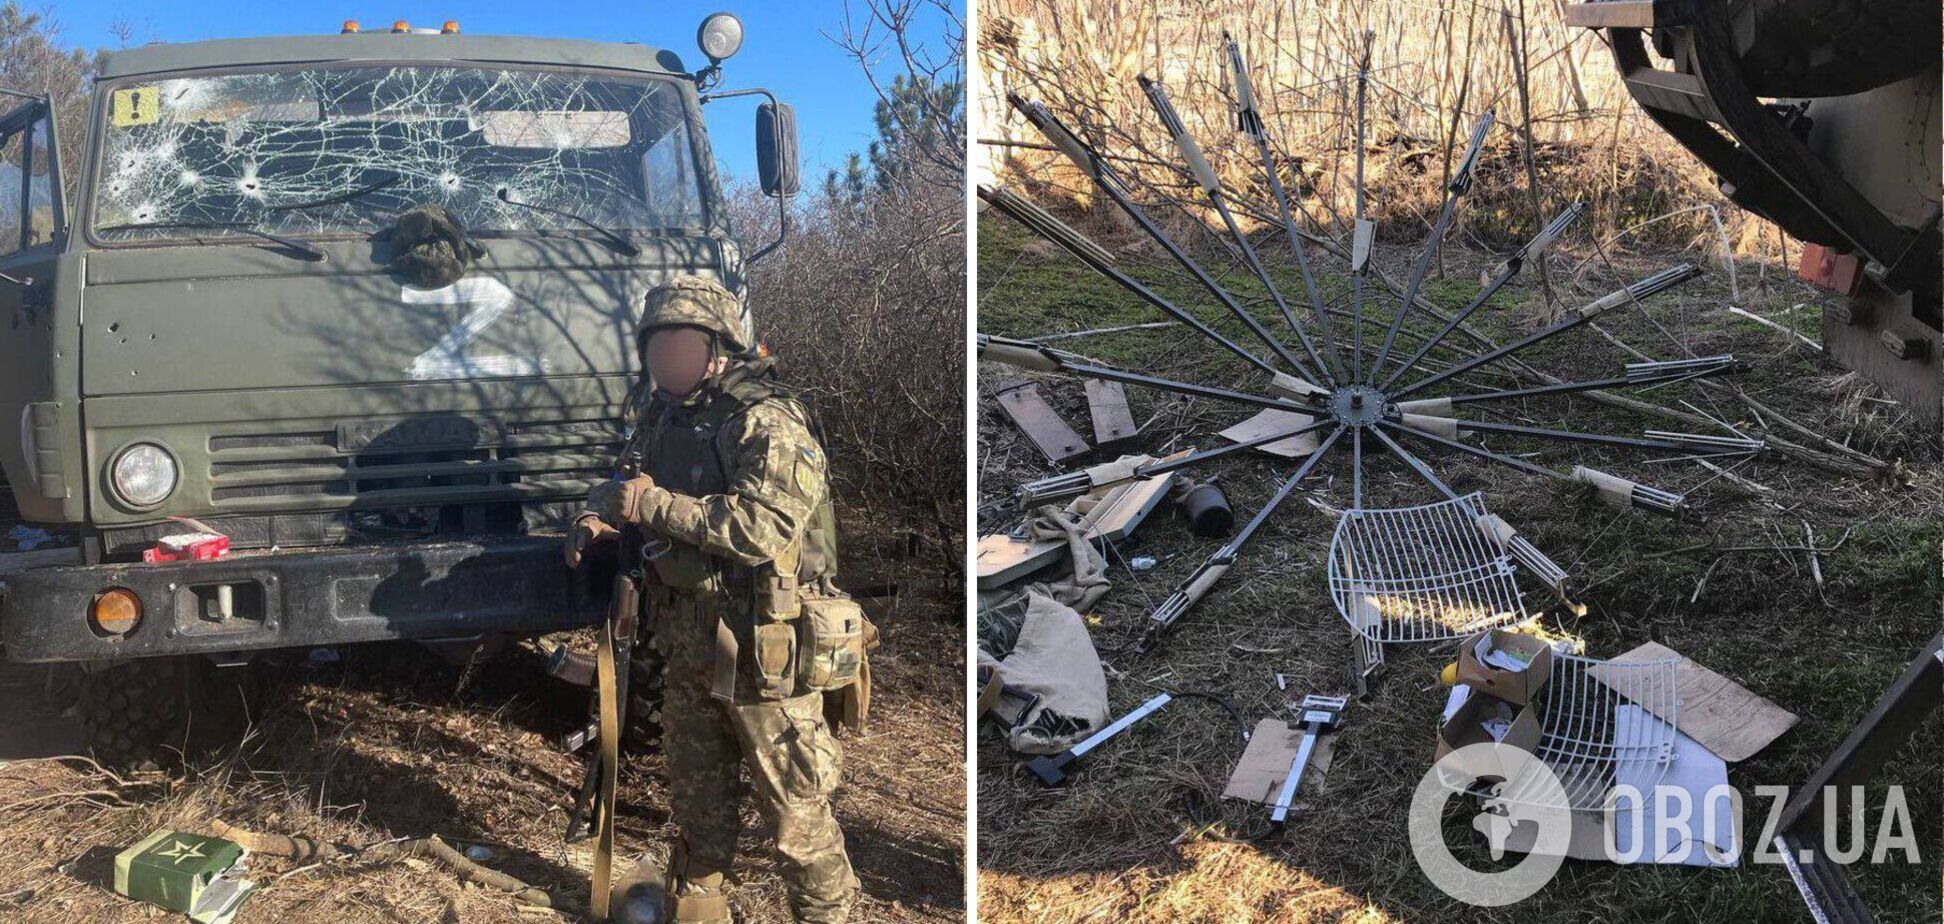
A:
720	36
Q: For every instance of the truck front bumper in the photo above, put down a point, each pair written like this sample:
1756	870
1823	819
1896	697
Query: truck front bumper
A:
261	600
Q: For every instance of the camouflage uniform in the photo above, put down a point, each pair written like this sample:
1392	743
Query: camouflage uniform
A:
738	501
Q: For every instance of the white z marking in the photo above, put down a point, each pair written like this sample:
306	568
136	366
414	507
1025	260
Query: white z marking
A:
447	359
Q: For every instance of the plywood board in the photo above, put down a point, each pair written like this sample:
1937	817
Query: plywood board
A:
1105	516
1112	420
1724	716
1273	421
1115	516
1041	424
1259	776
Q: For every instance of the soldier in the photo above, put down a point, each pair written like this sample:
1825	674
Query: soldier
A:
731	500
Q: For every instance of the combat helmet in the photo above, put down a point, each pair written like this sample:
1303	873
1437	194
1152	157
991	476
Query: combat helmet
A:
693	301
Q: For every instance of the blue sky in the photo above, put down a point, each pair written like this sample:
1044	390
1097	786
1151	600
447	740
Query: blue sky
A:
784	49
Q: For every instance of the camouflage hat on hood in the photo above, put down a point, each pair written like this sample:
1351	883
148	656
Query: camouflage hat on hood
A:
693	301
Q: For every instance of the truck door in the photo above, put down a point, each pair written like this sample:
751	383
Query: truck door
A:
33	231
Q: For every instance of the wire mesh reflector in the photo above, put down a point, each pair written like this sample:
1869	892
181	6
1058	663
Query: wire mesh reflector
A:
1602	724
1419	574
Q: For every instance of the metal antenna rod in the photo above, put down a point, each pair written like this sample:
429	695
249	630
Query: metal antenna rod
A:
1363	234
1542	567
1574	436
1461	182
1249	121
1661	281
1624	381
1211	186
1356	468
1072	484
1028	355
1204	577
1108	180
1534	250
1424	471
1091	254
1511	461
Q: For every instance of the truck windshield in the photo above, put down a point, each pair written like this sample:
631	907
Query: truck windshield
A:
279	151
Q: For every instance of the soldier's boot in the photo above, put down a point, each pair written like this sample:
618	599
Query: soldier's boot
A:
695	894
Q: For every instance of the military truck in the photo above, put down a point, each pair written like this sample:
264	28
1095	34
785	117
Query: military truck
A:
1821	116
210	339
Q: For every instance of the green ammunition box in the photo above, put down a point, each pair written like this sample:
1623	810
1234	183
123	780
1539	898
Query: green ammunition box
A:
183	872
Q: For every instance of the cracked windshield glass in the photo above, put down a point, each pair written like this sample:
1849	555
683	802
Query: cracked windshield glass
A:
330	151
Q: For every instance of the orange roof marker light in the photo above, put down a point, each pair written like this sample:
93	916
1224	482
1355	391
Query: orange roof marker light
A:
451	27
350	27
400	27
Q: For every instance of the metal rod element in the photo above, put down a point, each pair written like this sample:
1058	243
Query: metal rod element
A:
1028	355
1361	233
1461	182
1072	484
1417	465
1533	251
1575	436
1211	186
1709	443
1109	181
1649	373
1494	527
1204	577
1249	121
1005	203
1659	282
1050	769
1356	468
1653	373
1520	464
1043	223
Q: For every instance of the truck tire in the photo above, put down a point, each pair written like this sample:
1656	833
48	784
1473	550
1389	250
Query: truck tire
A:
644	728
152	712
1809	48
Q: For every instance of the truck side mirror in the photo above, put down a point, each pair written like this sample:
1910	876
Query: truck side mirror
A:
776	149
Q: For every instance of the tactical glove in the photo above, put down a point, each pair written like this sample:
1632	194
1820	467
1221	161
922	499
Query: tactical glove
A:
619	502
587	531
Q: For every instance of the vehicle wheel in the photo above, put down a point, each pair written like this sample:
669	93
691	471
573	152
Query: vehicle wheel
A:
644	730
1800	48
152	712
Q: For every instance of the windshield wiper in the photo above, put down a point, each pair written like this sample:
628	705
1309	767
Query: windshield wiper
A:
311	254
618	242
358	193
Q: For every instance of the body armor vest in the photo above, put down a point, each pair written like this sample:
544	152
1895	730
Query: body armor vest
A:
685	447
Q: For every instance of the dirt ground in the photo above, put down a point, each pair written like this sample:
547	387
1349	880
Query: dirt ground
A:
391	742
1138	833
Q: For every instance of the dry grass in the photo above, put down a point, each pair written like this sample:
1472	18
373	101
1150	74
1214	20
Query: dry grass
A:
394	743
1121	842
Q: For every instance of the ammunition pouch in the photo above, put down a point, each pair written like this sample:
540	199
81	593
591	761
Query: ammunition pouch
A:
832	637
835	640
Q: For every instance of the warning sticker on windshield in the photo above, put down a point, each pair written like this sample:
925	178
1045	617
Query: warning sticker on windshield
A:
135	106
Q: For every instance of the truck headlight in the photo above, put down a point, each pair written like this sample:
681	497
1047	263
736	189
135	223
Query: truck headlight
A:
144	475
721	36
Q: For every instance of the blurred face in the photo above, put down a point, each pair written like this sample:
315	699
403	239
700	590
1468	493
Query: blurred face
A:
679	358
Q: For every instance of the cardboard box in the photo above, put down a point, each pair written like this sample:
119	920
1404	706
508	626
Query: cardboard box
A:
1517	686
1468	726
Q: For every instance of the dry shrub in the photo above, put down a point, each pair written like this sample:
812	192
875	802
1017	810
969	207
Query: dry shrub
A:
865	305
1436	65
